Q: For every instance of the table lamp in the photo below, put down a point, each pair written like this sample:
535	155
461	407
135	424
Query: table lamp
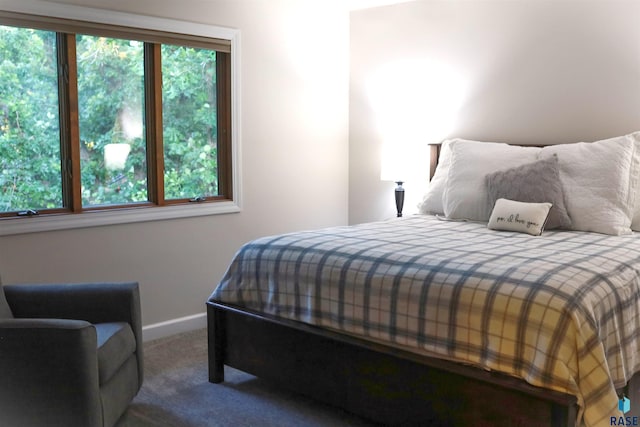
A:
392	169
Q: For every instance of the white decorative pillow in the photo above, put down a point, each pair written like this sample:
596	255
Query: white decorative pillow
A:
522	217
635	166
432	201
600	180
465	195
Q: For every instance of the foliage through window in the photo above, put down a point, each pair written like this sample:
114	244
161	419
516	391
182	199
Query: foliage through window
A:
111	119
190	129
30	171
105	119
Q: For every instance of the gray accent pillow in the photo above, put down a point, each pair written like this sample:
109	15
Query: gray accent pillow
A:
5	310
537	182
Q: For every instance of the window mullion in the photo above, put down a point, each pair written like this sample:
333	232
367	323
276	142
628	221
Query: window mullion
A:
69	128
223	90
153	120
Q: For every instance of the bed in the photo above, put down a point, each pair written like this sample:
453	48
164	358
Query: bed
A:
455	318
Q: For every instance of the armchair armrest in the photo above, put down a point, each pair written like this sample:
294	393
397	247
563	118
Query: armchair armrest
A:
91	302
49	371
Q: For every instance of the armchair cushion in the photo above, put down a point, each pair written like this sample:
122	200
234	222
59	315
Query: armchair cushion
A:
116	343
5	310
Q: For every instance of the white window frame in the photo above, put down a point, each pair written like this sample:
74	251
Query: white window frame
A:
129	215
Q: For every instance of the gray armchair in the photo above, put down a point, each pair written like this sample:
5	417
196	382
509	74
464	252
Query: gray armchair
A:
70	354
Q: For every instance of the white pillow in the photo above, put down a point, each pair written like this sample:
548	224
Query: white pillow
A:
432	201
522	217
635	165
600	180
465	195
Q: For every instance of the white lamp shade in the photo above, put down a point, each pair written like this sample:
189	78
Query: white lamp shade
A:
393	163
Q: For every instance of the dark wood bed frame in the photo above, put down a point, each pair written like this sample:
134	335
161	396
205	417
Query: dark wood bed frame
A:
378	382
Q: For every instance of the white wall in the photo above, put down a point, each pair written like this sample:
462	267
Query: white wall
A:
294	97
527	71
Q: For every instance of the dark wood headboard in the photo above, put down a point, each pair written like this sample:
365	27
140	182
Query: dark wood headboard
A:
434	155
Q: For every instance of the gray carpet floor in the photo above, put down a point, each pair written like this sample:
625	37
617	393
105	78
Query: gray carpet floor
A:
176	393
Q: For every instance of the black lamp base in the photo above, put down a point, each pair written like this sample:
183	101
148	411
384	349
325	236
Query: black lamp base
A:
399	198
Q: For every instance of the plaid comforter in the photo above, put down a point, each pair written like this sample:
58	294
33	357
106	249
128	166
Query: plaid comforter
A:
560	311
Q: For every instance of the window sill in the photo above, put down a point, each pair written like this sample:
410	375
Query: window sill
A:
35	224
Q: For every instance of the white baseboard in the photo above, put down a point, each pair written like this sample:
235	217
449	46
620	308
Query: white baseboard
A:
174	326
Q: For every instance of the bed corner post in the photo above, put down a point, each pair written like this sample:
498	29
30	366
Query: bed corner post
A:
216	341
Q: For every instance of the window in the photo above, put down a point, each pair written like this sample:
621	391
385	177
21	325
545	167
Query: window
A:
30	167
189	98
97	117
110	81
